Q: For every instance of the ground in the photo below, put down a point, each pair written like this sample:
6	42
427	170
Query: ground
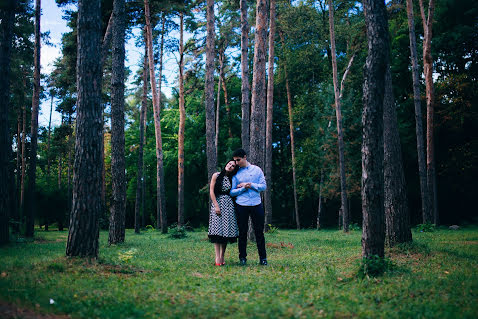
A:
311	274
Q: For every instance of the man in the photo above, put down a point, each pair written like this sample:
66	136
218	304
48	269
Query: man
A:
246	187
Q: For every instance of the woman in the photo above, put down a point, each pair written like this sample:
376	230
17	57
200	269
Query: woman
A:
222	218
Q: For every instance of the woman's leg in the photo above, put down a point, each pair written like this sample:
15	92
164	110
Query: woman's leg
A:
217	248
223	251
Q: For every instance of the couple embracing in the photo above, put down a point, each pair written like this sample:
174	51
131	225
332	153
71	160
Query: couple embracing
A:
242	181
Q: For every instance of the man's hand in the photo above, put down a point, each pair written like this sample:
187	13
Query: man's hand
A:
246	185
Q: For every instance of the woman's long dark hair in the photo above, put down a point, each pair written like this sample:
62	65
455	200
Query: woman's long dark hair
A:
222	174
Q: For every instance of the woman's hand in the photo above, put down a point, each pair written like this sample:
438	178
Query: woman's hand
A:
217	210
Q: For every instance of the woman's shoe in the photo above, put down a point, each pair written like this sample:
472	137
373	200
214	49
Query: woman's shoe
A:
223	263
218	264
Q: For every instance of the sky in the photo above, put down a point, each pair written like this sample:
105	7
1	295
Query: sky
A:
52	21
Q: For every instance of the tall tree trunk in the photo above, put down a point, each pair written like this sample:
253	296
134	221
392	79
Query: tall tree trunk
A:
182	120
258	100
319	207
16	197
30	212
48	155
338	112
209	92
218	99
118	206
24	154
291	133
427	22
145	127
397	218
422	169
140	167
373	234
83	232
270	104
226	102
245	87
161	216
7	15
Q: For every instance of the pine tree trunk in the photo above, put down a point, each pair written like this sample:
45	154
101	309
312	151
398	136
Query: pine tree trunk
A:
218	98
7	15
245	87
48	170
31	190
270	108
84	226
397	218
24	155
145	127
209	92
161	218
118	206
429	90
422	169
338	111
140	167
182	120
228	106
373	234
258	100
319	208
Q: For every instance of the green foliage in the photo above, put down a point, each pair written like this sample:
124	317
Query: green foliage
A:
355	227
177	232
272	229
374	266
426	228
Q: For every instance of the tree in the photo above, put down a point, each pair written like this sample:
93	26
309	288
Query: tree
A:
139	205
338	110
258	100
182	119
118	206
161	198
422	170
427	22
7	15
30	215
397	218
373	234
209	91
86	208
245	87
270	104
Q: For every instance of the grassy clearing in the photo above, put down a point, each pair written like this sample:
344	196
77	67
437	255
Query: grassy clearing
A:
311	274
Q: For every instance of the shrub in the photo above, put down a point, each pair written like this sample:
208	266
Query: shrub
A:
426	228
272	229
177	232
374	266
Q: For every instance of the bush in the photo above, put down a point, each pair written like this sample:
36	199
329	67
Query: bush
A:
272	229
426	228
177	232
374	266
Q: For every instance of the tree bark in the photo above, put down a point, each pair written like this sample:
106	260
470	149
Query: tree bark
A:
258	100
319	208
31	190
338	112
373	234
218	98
422	169
397	218
48	154
138	207
118	205
161	216
182	120
427	22
7	15
107	38
24	154
84	226
209	92
245	87
226	102
270	108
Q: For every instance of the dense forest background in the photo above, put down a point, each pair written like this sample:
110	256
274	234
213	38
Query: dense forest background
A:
302	47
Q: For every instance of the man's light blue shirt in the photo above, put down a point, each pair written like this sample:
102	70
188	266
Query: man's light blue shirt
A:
249	174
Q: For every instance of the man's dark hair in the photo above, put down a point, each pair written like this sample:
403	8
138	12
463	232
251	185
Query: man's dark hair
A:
239	153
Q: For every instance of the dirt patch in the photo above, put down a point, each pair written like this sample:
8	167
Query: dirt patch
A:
11	311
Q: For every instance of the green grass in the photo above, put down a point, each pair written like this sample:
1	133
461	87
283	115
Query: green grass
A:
312	274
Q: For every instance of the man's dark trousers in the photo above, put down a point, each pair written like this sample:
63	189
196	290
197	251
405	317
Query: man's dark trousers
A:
257	217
